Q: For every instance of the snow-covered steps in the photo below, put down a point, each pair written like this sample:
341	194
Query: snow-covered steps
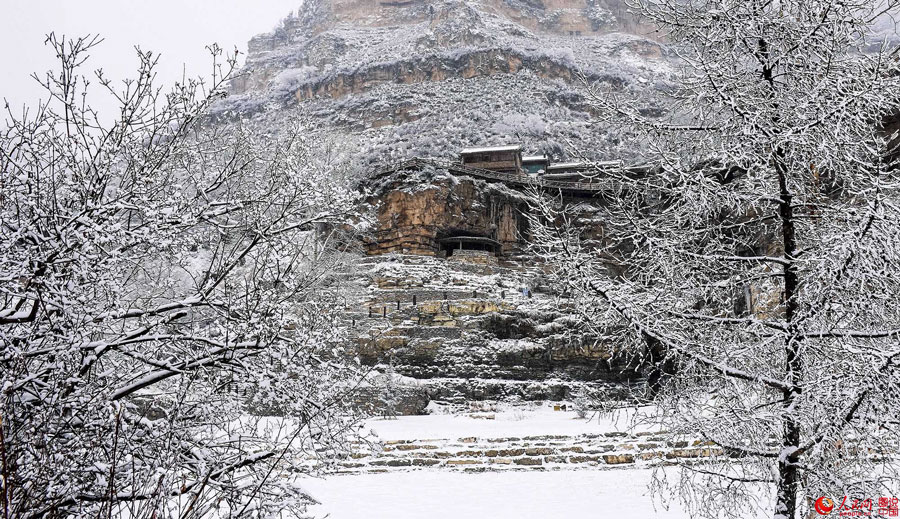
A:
535	438
532	452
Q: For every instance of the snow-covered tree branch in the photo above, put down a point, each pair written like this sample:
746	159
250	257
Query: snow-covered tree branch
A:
754	272
167	302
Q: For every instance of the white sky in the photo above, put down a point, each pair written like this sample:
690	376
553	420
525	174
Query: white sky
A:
179	30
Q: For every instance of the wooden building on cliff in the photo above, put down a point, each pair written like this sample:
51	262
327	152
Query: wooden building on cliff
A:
507	159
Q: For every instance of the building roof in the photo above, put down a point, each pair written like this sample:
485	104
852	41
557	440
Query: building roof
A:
564	176
469	151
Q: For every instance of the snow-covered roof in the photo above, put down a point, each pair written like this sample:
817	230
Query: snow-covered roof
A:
469	151
569	165
608	164
535	158
585	165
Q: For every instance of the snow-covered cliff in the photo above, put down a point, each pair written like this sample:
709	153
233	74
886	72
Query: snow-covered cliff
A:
428	77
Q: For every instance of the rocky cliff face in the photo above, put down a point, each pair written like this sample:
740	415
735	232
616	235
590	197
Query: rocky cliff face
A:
424	78
415	213
468	323
416	78
332	37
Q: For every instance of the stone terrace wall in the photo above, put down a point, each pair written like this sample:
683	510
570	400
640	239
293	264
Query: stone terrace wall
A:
467	331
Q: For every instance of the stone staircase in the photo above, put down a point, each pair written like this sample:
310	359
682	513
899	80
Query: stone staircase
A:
542	452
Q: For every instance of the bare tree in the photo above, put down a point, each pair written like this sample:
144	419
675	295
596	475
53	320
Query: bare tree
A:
170	345
754	272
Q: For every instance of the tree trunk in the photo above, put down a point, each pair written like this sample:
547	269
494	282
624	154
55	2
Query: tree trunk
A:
788	474
659	365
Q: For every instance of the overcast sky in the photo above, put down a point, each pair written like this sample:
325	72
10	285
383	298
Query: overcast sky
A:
177	29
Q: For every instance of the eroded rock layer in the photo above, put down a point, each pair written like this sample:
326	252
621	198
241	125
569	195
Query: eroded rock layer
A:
413	219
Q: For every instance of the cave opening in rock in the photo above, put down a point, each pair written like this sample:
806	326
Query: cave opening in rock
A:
468	241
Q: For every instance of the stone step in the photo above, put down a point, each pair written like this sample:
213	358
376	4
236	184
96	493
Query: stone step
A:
608	450
555	461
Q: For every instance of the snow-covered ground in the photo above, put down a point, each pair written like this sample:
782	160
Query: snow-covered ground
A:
499	495
505	422
561	492
569	494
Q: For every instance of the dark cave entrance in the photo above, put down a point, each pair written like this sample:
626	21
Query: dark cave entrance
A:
464	240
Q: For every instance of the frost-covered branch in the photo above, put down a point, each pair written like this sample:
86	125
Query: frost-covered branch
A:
168	303
751	273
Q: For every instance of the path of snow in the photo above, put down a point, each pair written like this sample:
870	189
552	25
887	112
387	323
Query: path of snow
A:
515	422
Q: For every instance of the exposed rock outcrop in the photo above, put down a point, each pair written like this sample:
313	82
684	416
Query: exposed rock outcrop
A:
413	218
472	331
470	324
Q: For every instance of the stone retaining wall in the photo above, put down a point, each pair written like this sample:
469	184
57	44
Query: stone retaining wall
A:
478	257
468	330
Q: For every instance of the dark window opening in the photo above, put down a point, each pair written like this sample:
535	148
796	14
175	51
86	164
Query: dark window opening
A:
468	241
